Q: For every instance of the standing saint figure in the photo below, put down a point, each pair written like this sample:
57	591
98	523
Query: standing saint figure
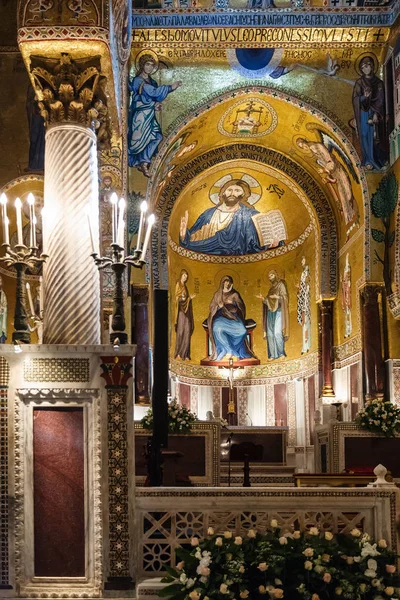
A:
227	323
3	313
370	117
276	316
144	131
346	298
304	305
184	324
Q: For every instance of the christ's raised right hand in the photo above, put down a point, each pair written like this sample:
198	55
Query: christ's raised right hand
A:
183	227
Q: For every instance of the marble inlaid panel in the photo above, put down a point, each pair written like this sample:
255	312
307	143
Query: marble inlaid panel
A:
59	515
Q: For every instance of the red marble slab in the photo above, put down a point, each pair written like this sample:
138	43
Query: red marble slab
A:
59	481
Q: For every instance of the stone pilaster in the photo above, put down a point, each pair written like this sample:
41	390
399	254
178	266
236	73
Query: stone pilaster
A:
116	372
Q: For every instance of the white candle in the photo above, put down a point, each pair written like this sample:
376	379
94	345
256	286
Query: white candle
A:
110	324
143	211
121	236
114	208
150	223
91	234
28	289
6	231
31	202
40	296
3	202
121	224
18	211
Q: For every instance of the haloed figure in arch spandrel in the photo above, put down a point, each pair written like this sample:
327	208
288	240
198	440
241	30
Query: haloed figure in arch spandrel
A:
184	324
144	131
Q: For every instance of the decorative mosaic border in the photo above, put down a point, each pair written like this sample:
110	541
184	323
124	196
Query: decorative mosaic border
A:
60	32
248	258
201	375
4	559
57	370
346	351
118	503
308	17
74	589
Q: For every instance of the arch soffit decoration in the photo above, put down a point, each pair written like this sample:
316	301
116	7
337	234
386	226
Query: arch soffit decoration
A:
262	155
328	121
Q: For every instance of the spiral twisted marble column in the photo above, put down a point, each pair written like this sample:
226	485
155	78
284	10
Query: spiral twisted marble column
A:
71	279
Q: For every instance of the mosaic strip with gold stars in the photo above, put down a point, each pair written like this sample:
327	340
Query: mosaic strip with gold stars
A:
118	481
4	566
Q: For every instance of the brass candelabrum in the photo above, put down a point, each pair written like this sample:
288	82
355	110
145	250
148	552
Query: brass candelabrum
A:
21	258
117	262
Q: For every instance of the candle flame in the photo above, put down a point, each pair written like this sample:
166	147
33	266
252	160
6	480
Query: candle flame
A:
3	199
114	198
121	203
18	203
150	220
31	199
143	206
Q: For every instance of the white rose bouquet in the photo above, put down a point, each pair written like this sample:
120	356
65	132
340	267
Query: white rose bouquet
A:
380	417
180	418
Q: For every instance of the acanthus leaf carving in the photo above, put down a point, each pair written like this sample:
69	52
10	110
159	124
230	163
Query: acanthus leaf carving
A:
72	90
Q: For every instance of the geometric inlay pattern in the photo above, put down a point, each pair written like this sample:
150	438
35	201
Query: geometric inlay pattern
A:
4	372
4	567
164	531
57	369
118	481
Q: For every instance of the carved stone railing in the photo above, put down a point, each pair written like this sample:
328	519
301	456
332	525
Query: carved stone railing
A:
169	517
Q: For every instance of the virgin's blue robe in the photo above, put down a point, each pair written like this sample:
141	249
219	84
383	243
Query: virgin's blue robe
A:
144	131
369	100
239	237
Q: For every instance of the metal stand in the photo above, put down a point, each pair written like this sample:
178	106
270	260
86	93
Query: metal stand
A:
21	259
229	441
118	263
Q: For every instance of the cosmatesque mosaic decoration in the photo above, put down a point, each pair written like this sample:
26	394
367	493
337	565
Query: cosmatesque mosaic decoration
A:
57	369
4	493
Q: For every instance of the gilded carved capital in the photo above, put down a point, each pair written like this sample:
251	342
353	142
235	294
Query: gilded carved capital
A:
326	307
73	91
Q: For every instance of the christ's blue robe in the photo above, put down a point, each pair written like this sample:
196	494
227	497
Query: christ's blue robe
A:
239	237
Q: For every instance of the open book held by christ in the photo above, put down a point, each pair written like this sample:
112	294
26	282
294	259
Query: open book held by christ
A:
270	227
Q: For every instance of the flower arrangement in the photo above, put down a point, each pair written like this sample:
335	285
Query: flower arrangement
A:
315	565
380	417
180	419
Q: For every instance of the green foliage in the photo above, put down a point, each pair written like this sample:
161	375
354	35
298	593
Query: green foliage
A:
180	419
384	200
275	564
378	235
